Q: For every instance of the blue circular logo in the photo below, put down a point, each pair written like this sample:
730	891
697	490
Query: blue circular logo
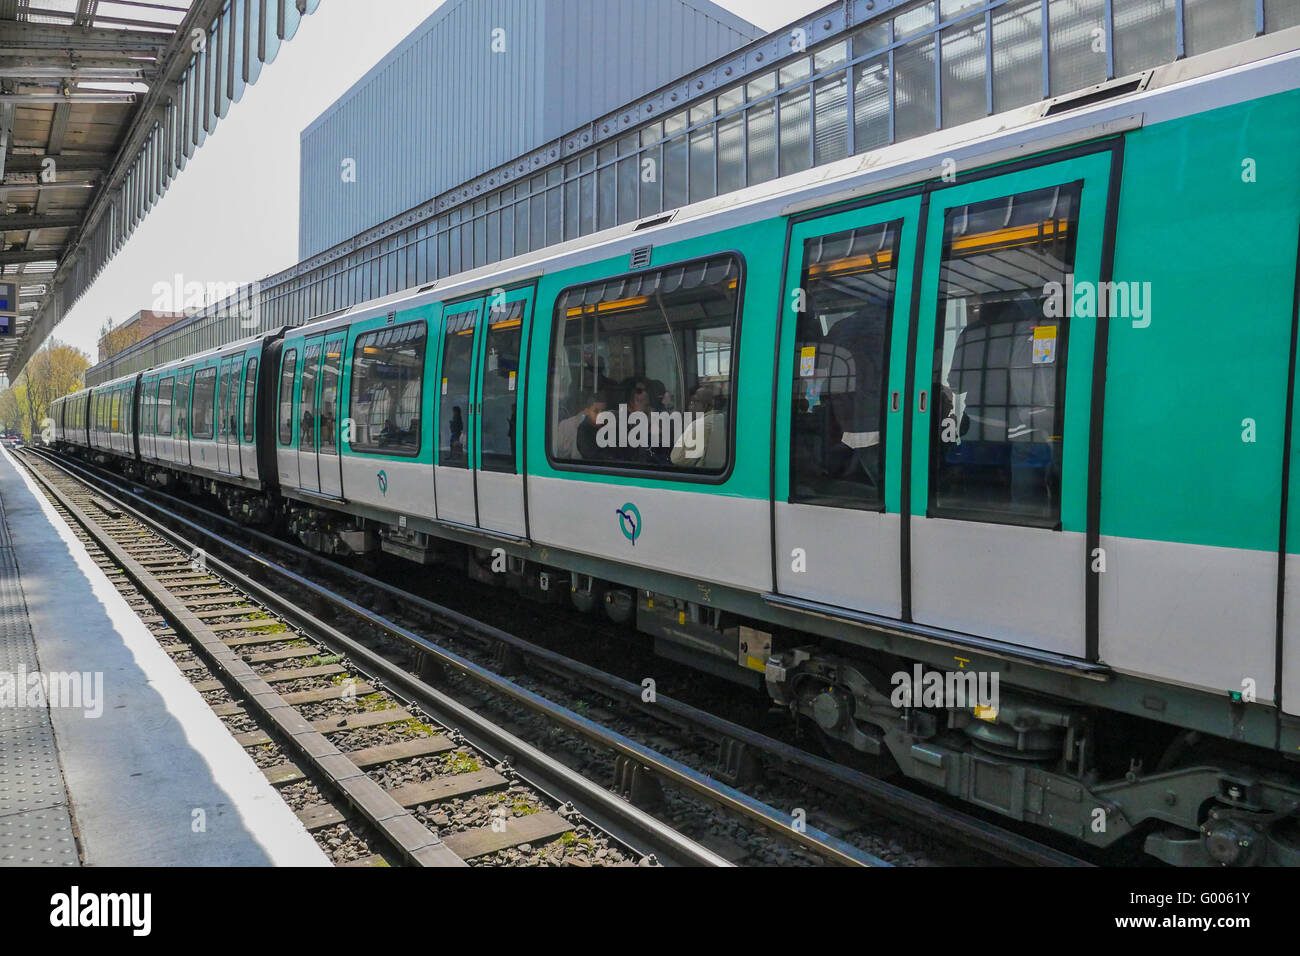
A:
383	482
629	521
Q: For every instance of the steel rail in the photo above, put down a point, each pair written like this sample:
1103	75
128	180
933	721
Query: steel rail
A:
897	802
594	801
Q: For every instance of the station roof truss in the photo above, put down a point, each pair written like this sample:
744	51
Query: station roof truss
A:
102	103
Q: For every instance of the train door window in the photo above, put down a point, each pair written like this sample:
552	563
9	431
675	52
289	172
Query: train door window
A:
181	404
642	374
250	400
329	397
204	412
288	365
454	406
388	390
841	368
501	388
307	398
164	426
223	404
116	409
1000	358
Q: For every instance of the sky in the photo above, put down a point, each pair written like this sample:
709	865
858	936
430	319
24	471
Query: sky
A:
232	214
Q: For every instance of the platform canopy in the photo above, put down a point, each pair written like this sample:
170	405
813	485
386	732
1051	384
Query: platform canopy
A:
102	102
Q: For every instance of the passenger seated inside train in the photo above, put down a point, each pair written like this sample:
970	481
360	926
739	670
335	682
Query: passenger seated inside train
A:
575	437
703	442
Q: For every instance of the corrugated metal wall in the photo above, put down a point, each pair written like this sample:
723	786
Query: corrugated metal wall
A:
466	108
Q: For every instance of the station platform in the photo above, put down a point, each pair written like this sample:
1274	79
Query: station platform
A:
128	766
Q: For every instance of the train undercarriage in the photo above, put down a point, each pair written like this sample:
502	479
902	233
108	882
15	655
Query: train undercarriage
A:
1115	782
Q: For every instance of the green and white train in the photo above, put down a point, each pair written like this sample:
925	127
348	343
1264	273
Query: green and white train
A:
1013	399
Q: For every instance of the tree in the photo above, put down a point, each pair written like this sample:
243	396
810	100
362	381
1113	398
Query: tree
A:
53	372
11	414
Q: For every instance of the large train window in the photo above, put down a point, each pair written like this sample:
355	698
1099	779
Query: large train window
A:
204	413
223	400
999	359
642	372
454	406
181	404
841	366
329	397
250	399
307	398
164	425
288	364
501	387
387	390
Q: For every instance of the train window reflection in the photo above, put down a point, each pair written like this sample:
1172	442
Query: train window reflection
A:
642	374
387	390
1000	357
841	363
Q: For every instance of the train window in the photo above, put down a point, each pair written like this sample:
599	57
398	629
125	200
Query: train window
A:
287	367
501	388
329	397
454	404
642	373
841	366
307	398
999	358
250	399
115	410
388	390
223	404
165	387
203	415
181	404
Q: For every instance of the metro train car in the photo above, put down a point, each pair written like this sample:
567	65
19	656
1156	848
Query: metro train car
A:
974	451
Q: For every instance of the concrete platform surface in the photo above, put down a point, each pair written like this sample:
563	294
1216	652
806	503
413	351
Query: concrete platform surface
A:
152	776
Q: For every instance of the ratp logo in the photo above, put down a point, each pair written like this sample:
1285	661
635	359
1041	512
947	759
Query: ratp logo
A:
629	521
382	477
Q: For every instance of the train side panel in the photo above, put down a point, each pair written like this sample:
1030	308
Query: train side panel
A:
1196	389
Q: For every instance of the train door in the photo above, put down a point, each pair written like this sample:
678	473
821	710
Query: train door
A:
839	451
248	420
231	406
181	417
219	417
329	464
453	471
286	455
498	413
309	416
148	404
1002	392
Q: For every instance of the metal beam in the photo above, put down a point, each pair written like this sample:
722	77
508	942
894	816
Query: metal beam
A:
34	163
14	256
67	60
26	99
23	38
18	222
6	133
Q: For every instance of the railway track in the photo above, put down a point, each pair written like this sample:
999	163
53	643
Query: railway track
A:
417	780
742	751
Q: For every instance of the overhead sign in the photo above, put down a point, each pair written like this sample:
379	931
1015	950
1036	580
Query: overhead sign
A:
8	307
